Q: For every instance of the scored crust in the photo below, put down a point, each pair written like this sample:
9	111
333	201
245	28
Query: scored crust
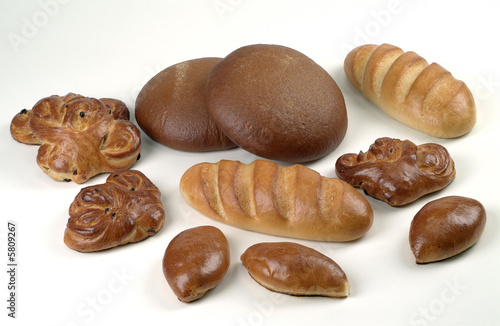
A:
292	201
423	96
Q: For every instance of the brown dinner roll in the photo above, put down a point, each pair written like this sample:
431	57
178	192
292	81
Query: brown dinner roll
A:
196	261
171	108
445	227
277	103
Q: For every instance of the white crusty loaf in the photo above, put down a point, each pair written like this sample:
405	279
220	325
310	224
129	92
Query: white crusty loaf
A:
290	201
423	96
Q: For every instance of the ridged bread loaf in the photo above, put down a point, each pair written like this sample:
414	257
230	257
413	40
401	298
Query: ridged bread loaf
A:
423	96
292	201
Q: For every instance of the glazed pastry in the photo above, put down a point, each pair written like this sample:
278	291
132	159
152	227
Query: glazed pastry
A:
396	171
277	103
423	96
445	227
195	261
80	137
290	201
127	208
295	269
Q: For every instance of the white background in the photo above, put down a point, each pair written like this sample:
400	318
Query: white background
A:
112	48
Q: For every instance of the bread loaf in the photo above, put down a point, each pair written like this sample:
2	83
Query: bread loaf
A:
171	108
277	103
290	201
422	96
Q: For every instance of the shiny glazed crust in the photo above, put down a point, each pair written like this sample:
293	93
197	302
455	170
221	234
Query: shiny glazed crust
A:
290	201
80	137
196	261
445	227
295	269
127	208
423	96
398	172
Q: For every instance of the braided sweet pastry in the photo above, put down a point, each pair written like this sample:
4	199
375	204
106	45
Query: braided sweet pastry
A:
398	171
80	137
127	208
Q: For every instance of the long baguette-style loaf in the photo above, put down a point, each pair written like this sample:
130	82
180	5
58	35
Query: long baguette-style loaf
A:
423	96
290	201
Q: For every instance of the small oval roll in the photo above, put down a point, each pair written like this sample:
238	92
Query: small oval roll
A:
292	201
196	261
445	227
423	96
295	269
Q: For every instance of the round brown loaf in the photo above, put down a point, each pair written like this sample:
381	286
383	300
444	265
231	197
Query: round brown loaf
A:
171	108
277	103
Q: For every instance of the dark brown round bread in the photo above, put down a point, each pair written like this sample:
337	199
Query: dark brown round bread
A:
277	103
171	108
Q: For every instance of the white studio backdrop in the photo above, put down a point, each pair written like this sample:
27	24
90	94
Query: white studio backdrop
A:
112	48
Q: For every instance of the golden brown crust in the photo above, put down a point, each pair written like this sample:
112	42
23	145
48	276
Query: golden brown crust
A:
171	108
127	208
423	96
396	171
290	201
195	261
277	103
295	269
446	227
80	137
